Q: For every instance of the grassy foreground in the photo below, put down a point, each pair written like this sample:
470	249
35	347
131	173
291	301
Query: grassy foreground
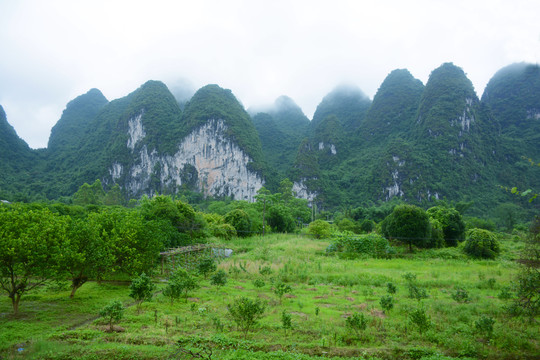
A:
326	290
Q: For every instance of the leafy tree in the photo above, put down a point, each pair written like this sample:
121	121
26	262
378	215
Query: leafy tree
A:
451	222
240	220
320	229
89	194
408	224
286	190
180	282
245	313
141	289
508	215
86	253
206	266
31	242
113	312
219	278
280	219
280	289
135	242
114	196
177	219
482	244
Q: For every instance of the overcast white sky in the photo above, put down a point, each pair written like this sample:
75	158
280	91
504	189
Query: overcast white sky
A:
54	50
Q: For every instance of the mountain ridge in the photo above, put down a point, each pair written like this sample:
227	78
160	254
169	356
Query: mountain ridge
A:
413	141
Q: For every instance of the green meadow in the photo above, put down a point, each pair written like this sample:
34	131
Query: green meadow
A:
327	293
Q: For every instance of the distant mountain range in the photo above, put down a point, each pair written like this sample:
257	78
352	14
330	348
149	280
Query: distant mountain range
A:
413	141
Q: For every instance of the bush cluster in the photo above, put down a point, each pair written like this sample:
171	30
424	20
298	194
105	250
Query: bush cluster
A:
372	244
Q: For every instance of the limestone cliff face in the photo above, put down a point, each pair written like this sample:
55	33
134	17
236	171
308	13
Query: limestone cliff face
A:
207	160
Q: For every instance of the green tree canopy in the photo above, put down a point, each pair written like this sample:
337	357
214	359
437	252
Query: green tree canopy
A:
408	224
31	241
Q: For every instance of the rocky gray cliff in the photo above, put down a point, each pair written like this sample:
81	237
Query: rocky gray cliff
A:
206	160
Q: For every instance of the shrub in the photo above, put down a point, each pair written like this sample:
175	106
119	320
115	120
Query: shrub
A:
369	244
505	293
240	220
367	226
113	312
141	289
319	229
347	224
481	244
484	326
281	289
391	288
461	295
206	266
357	323
219	278
224	231
419	318
259	283
245	313
286	321
180	282
387	303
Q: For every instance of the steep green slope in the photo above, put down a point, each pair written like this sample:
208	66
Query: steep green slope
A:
16	161
281	128
513	98
454	136
416	143
394	107
67	134
348	103
289	117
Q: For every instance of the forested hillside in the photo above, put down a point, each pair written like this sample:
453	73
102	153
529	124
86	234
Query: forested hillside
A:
412	142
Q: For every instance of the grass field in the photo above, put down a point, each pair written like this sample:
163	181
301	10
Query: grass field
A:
326	290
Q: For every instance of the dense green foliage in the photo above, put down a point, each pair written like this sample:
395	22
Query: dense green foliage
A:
326	290
141	289
281	129
481	244
451	223
31	242
413	142
408	224
372	245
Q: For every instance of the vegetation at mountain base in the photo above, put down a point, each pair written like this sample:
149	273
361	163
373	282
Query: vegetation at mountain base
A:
413	143
283	296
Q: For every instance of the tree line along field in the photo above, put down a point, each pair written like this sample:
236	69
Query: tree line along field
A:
93	280
445	305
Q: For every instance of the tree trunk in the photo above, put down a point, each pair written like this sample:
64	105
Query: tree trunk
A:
76	283
15	299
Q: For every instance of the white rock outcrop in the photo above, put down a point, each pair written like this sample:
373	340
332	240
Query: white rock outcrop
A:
221	165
